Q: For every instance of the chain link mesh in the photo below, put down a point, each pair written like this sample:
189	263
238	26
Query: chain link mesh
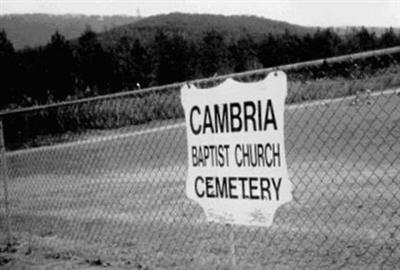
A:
106	178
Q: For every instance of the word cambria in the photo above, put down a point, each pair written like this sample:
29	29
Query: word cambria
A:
233	117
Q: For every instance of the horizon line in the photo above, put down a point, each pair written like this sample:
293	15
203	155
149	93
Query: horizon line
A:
191	13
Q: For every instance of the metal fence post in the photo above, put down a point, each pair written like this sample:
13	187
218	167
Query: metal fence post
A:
4	177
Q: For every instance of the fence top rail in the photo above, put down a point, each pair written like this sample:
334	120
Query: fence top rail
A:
293	66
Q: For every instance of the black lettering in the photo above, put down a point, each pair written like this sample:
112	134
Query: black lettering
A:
195	131
260	154
259	115
207	120
252	156
264	186
232	187
277	154
221	189
249	115
200	156
226	146
243	180
252	188
206	153
209	188
269	116
238	160
246	155
199	194
267	150
221	160
221	122
194	156
276	187
236	121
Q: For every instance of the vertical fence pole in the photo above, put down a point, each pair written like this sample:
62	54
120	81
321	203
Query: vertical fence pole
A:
232	248
4	177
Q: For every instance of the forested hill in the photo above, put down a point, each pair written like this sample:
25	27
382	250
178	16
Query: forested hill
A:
192	27
164	49
36	29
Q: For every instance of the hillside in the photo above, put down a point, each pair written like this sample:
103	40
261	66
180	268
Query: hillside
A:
35	29
192	26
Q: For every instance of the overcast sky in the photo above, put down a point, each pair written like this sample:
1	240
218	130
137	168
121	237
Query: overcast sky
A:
304	12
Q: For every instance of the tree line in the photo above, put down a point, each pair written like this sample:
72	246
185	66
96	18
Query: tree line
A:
65	70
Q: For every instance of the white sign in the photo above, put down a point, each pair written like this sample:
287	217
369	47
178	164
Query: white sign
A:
236	153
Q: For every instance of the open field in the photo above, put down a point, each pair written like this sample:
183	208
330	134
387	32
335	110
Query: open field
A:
123	198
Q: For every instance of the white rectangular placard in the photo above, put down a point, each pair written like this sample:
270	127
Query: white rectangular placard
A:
236	153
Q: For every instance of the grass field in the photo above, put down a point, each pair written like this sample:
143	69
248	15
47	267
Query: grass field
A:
123	197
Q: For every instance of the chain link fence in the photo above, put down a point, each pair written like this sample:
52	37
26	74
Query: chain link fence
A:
105	177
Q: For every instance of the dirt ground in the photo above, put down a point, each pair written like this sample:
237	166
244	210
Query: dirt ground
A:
20	256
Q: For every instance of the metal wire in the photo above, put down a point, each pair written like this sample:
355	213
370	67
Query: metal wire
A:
106	176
